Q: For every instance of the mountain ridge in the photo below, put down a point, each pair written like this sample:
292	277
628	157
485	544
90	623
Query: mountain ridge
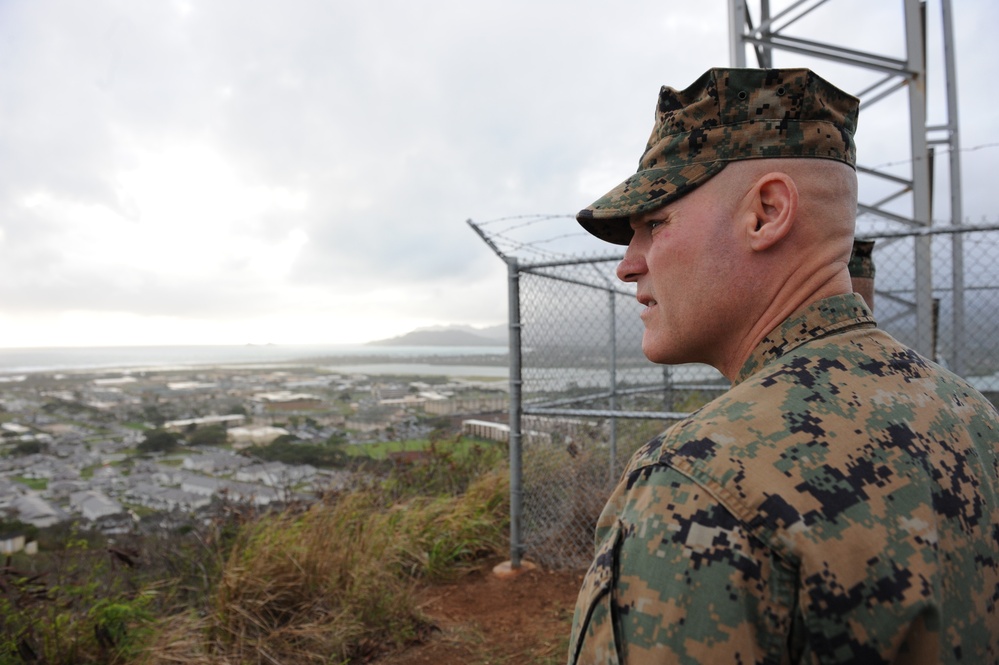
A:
453	335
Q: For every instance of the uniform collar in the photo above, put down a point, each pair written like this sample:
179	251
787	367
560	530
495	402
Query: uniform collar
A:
819	319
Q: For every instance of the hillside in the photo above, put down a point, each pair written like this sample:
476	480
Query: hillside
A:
448	336
481	618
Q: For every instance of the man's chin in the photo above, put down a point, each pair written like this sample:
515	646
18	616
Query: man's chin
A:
656	354
662	353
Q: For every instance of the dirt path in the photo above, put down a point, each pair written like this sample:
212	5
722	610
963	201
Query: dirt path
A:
485	618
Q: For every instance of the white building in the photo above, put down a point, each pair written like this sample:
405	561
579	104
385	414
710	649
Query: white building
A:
276	474
258	495
215	462
37	511
484	429
201	485
244	437
11	544
158	497
93	505
181	425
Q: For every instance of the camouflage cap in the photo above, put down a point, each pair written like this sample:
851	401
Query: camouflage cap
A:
862	270
727	115
862	259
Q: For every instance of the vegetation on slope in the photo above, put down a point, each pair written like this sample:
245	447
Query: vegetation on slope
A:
332	582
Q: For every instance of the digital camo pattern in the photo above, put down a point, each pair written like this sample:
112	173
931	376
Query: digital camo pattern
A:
861	269
837	505
862	259
727	115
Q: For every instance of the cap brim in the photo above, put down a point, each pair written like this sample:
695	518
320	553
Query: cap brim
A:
609	217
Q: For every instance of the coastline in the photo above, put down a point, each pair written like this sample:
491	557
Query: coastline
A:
165	358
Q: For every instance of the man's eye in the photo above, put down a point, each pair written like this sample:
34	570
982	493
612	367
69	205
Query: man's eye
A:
653	224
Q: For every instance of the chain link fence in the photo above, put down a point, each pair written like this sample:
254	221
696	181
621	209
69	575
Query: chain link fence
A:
584	397
965	299
589	399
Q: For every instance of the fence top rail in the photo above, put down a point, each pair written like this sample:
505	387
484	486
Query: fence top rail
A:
608	413
574	261
928	231
622	392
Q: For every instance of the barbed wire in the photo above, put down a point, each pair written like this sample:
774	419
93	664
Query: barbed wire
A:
919	158
536	247
532	219
503	236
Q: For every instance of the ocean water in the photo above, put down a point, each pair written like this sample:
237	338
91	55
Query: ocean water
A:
29	360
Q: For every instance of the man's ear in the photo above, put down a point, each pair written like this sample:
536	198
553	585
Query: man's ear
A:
774	207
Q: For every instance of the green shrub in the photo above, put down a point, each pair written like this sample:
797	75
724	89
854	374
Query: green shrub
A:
209	435
329	583
159	441
289	450
81	610
442	469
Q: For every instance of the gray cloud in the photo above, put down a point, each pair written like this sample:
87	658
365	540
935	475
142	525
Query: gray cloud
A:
354	139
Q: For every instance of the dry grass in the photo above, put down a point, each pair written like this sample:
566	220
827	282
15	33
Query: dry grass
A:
334	583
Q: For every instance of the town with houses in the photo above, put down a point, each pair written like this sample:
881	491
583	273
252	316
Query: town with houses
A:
70	442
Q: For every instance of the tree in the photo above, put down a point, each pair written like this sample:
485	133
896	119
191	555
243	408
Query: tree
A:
285	449
210	435
15	527
152	414
284	440
337	439
159	441
23	448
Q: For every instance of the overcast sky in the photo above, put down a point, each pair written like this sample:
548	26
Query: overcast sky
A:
242	171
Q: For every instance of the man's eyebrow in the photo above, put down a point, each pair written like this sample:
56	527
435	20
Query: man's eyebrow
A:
660	215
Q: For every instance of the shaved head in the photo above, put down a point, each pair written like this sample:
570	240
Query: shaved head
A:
827	200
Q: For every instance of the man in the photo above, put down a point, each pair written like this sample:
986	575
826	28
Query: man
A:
840	503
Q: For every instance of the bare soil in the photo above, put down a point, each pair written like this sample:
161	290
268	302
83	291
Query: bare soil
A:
483	618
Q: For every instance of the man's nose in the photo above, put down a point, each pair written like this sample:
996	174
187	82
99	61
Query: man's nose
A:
633	264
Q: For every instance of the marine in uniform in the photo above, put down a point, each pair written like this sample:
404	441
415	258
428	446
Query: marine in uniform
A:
840	502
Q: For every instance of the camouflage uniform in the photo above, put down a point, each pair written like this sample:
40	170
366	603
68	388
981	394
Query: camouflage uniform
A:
840	503
837	505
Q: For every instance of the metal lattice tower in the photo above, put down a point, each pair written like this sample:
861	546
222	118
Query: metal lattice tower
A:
761	28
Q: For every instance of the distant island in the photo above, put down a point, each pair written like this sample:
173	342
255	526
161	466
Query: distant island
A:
449	336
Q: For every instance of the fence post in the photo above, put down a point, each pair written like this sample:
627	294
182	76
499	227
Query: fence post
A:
516	491
613	384
915	39
956	209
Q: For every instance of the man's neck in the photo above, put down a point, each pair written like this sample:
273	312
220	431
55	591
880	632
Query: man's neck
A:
792	296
